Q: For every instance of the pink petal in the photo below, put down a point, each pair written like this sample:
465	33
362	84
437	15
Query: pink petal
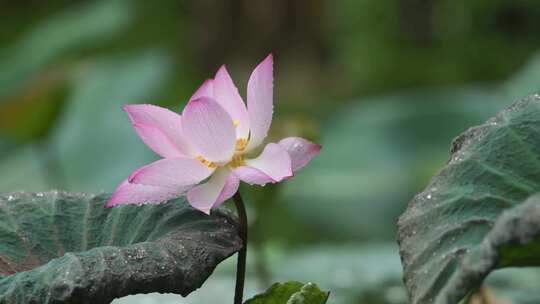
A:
226	94
252	176
260	101
220	187
159	128
300	150
272	166
210	129
229	189
205	90
157	140
171	173
128	193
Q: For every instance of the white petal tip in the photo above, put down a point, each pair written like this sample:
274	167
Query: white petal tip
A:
205	211
222	68
130	107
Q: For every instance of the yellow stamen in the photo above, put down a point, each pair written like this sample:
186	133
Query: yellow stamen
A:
241	144
236	122
206	162
236	161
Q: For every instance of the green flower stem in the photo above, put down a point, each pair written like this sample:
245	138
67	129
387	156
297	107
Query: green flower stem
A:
241	264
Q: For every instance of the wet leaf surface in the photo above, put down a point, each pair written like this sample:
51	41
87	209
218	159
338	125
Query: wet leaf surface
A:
57	247
479	213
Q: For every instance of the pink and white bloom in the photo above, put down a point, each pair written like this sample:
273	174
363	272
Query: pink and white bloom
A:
212	139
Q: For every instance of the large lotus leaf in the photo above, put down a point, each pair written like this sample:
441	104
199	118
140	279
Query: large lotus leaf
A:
57	247
474	216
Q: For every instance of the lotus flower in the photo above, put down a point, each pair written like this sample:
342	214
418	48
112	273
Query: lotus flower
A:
206	149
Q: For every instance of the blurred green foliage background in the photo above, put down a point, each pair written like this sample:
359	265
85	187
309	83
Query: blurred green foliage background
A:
384	86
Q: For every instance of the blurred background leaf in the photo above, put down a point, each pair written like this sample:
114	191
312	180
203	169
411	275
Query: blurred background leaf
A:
95	128
58	37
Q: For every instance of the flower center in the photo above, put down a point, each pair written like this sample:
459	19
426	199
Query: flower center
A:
206	162
236	161
241	144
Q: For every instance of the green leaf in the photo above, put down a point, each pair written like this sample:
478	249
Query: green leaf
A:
369	273
95	110
515	285
479	213
79	27
376	140
61	247
291	293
